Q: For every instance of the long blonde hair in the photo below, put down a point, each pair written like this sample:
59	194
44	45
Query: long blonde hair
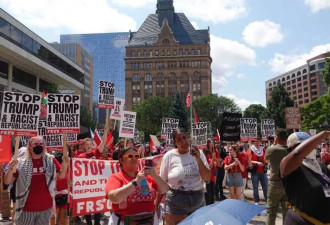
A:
30	147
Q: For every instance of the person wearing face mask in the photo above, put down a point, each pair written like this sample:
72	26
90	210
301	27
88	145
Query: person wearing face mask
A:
306	181
35	173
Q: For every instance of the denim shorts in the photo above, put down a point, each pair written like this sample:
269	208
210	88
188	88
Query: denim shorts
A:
231	178
183	202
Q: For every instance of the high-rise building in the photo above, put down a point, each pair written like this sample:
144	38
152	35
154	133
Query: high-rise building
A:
82	58
108	52
29	64
305	83
164	54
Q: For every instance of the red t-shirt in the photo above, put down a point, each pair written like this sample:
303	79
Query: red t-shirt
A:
209	159
254	157
135	203
228	160
39	189
95	154
245	159
77	153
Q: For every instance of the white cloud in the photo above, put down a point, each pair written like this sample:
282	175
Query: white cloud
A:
227	55
317	5
283	63
133	3
262	33
77	16
194	23
241	102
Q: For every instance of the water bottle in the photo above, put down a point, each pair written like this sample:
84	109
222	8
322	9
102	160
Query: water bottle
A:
144	187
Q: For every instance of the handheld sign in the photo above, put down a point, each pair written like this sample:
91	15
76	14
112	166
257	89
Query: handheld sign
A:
199	134
117	113
20	114
54	142
106	95
292	118
267	128
248	128
5	149
63	114
168	125
127	125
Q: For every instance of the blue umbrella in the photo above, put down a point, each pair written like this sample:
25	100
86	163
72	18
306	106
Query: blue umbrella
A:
227	212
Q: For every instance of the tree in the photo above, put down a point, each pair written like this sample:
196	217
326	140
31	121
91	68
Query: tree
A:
326	74
150	113
255	111
51	88
279	99
179	111
211	108
316	114
86	118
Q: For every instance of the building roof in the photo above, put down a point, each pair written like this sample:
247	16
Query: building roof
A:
183	31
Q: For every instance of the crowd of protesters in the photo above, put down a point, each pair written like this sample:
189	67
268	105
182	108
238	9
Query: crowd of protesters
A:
288	169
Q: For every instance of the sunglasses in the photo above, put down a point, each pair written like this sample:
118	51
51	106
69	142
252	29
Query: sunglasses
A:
131	156
38	143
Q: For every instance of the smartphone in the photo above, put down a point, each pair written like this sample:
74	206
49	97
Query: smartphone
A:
148	163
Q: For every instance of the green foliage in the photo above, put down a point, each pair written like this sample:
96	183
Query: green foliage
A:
279	99
51	88
179	111
255	111
316	114
211	108
86	118
326	73
150	113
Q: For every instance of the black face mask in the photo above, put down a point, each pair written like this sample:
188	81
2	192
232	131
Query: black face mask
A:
38	149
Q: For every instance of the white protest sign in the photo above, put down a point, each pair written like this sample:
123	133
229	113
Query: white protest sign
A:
267	128
20	114
117	112
106	95
72	139
89	180
199	134
54	142
168	125
24	141
127	125
248	128
63	114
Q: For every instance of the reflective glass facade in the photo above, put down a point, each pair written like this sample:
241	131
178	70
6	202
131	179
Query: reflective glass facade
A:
108	51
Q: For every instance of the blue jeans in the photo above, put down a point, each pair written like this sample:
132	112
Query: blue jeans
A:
262	177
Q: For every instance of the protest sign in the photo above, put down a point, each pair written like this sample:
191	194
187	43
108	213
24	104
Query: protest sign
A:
267	128
249	128
106	95
54	142
230	127
5	148
117	112
168	125
127	125
89	179
63	114
292	118
199	134
20	114
72	139
24	141
136	135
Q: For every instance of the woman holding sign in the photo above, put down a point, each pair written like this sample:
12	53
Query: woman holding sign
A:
36	175
133	193
185	169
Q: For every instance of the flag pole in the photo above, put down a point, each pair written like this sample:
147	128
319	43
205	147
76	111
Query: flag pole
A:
191	108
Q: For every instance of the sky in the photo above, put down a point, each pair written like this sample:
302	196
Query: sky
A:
251	40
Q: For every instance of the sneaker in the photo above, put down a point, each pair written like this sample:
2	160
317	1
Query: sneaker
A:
256	203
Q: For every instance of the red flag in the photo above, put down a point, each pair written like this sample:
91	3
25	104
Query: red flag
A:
5	149
188	100
196	116
218	136
96	137
109	137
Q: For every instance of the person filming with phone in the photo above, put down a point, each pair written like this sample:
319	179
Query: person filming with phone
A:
133	193
185	169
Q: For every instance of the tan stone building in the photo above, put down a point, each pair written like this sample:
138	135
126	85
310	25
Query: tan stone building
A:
164	54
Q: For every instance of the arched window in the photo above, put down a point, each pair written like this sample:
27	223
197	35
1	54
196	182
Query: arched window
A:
136	78
288	77
133	54
184	82
293	75
160	87
283	79
165	41
147	85
196	82
304	71
172	84
270	84
274	83
299	73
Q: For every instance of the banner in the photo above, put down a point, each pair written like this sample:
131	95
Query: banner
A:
117	113
89	180
127	125
249	128
230	127
106	95
20	114
292	118
54	142
63	114
267	128
5	149
168	125
199	134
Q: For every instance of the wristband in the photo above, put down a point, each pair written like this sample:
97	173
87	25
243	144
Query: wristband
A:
134	183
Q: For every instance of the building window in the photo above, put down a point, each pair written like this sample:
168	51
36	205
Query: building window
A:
283	79
4	27
312	67
314	93
299	79
150	53
306	95
136	78
306	101
313	81
294	86
156	53
313	87
192	51
27	42
144	53
293	81
305	77
187	51
305	82
172	84
300	97
306	89
184	81
3	70
174	52
313	75
300	102
270	84
299	73
196	79
288	77
299	85
293	75
321	65
24	78
289	88
299	90
165	42
16	34
136	100
163	52
180	52
133	54
294	92
168	52
160	88
304	71
139	54
147	85
288	82
198	52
